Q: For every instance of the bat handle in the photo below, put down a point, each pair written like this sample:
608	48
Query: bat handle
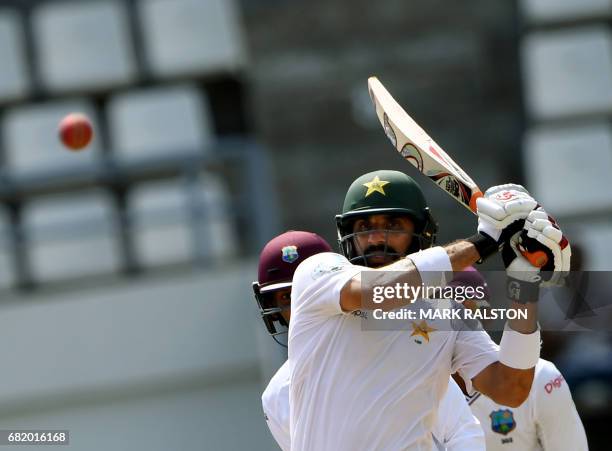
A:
475	196
536	258
534	251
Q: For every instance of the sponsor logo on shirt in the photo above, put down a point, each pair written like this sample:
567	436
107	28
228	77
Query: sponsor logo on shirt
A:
555	383
328	266
502	421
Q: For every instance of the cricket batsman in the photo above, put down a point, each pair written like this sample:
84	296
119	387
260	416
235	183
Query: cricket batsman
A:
353	389
546	421
456	429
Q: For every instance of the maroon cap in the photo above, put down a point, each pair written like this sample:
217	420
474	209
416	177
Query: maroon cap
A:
471	277
280	257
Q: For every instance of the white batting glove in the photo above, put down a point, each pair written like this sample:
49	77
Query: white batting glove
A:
545	230
501	206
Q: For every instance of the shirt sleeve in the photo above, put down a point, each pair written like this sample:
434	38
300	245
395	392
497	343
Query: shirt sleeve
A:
317	283
275	403
557	422
457	429
474	351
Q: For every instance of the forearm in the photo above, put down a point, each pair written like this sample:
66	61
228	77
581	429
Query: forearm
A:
461	254
509	380
527	325
410	272
504	385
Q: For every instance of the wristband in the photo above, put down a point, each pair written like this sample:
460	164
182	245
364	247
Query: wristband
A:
485	245
433	264
520	351
521	291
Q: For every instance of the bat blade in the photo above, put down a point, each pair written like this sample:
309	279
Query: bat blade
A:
417	147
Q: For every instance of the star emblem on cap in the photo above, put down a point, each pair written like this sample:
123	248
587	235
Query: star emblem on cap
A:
421	329
375	185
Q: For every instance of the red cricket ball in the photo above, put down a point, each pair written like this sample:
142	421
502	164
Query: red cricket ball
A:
75	131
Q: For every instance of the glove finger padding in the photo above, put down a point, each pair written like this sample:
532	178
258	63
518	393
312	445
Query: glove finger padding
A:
506	203
497	225
547	232
521	206
536	214
501	207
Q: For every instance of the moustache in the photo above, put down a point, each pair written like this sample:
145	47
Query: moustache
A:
380	248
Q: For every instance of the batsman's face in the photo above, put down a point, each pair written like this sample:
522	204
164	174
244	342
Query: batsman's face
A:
282	299
382	239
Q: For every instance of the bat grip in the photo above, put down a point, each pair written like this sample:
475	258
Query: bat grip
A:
536	258
534	251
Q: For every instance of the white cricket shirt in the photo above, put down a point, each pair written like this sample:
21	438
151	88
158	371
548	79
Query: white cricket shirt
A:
456	429
275	403
353	389
547	420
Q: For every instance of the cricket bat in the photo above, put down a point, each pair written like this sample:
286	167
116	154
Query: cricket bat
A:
420	150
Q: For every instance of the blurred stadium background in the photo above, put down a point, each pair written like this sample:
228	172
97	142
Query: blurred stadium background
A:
126	313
